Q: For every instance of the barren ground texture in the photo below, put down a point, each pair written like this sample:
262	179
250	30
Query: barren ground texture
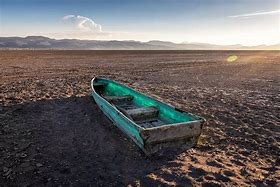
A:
52	133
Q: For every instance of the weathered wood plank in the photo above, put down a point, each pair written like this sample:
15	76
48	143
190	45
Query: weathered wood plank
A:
171	132
96	84
117	99
143	113
151	122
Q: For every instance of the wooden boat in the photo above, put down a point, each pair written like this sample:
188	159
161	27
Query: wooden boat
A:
151	124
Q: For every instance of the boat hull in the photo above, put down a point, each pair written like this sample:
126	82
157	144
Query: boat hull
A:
151	140
119	119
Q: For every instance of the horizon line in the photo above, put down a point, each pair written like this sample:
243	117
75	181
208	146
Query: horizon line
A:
178	43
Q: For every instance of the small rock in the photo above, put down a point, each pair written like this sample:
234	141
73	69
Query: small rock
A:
39	165
5	169
23	155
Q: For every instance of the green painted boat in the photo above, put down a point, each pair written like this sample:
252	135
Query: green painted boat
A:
153	125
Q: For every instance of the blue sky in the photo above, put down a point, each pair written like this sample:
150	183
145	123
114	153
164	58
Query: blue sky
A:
248	22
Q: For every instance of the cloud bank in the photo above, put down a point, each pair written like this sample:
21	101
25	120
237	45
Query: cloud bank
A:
82	23
256	14
84	28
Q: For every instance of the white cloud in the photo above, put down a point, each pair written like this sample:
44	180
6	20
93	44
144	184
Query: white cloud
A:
256	14
67	17
82	23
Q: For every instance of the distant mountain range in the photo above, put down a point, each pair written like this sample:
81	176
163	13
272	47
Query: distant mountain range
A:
41	42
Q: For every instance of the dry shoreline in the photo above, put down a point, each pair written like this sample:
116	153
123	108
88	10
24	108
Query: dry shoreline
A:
53	134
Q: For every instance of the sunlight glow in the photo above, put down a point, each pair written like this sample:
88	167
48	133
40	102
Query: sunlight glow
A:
232	58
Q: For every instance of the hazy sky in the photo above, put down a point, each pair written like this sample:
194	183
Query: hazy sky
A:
247	22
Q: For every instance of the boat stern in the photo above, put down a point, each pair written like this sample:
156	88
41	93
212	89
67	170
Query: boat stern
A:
179	136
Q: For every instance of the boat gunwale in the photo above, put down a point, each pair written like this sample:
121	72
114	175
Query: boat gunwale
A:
200	119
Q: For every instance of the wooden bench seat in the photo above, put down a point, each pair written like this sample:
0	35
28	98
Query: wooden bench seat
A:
118	99
153	122
96	84
143	113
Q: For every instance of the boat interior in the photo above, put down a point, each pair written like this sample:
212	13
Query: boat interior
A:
144	111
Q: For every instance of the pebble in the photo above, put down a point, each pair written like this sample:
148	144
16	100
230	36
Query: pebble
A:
39	165
5	169
23	155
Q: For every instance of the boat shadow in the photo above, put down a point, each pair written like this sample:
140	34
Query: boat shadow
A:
69	141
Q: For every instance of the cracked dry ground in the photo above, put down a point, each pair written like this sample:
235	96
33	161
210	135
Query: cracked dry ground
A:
52	133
